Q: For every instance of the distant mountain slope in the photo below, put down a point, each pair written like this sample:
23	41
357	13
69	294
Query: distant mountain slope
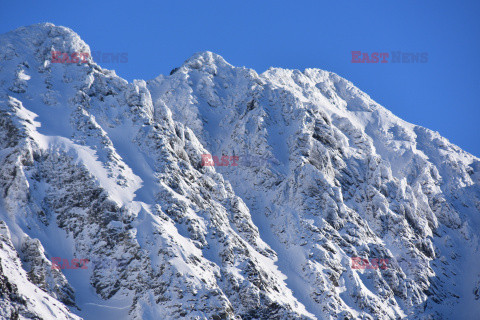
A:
93	167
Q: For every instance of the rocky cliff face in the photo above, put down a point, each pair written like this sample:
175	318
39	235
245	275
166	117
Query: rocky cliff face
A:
94	167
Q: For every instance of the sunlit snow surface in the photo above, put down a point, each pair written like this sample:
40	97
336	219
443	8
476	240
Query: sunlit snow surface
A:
98	168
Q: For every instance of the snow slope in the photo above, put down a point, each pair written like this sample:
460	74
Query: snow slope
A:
94	167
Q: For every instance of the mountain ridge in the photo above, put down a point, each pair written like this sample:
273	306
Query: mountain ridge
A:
94	167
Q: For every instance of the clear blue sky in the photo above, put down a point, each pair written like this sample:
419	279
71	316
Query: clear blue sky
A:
442	94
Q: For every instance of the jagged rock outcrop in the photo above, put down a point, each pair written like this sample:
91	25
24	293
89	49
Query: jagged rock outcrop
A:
94	167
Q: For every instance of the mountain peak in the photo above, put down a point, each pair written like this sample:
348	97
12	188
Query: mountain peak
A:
205	58
217	193
43	37
205	61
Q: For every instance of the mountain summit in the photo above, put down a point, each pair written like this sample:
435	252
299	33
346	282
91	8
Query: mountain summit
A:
108	210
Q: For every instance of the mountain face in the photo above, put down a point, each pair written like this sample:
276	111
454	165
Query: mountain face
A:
110	208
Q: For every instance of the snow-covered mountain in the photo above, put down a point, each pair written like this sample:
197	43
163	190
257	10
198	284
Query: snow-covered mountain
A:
111	173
